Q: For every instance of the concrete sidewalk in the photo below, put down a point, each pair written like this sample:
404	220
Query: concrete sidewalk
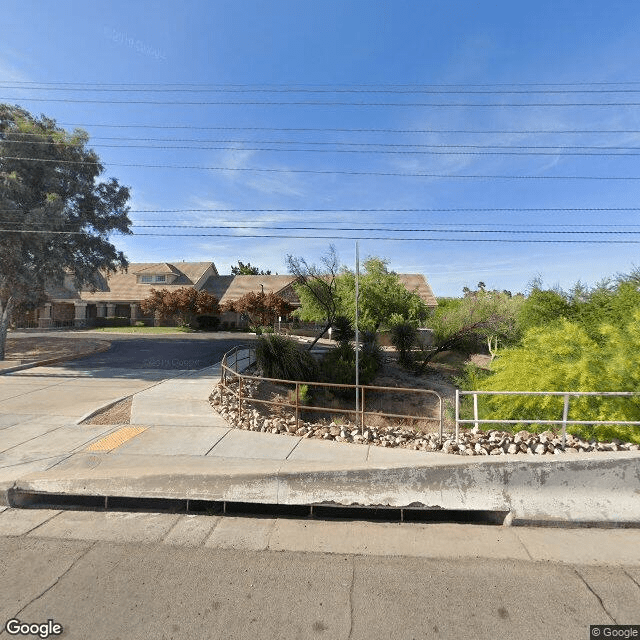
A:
178	448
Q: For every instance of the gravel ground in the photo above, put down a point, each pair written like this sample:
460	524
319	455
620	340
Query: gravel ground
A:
30	349
119	413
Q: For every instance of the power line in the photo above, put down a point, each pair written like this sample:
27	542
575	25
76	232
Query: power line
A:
47	138
337	84
322	85
329	103
333	237
375	211
408	90
432	149
349	130
438	152
383	210
315	228
256	221
326	171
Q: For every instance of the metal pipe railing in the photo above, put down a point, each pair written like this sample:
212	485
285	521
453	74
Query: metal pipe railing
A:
566	395
229	367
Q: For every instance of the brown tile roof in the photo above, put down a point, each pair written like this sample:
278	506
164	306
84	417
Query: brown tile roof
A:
195	270
228	288
153	267
123	286
418	283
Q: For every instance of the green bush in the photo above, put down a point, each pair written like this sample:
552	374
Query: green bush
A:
304	395
283	358
404	337
339	366
562	357
342	330
369	347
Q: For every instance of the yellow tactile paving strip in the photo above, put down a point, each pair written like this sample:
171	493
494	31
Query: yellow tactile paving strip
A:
115	439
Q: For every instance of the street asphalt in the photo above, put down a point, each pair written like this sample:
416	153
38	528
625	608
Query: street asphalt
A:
149	575
108	591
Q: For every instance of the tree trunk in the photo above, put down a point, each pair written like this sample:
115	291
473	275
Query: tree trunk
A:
4	325
313	344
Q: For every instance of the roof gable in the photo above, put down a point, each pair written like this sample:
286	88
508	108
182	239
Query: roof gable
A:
160	268
230	288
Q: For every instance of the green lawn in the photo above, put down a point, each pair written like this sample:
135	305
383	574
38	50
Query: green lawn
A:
141	330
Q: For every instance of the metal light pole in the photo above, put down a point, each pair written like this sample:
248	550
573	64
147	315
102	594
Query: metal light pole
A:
357	337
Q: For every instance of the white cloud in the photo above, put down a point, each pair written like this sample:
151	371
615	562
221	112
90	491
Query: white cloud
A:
281	182
10	72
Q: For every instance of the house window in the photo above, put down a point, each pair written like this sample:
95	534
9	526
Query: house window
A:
161	278
146	279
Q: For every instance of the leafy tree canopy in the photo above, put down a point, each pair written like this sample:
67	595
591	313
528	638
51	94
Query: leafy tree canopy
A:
55	214
183	304
469	321
606	303
383	299
261	308
242	269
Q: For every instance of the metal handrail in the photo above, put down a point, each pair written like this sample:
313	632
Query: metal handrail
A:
227	370
565	410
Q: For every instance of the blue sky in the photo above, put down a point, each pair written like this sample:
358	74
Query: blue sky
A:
340	51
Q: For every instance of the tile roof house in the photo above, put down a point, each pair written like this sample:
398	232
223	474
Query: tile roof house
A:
120	294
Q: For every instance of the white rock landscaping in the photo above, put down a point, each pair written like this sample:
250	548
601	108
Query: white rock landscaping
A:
473	442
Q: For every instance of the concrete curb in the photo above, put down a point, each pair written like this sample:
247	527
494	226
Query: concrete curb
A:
583	490
44	363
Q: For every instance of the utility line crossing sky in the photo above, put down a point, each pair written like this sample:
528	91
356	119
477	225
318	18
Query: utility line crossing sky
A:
466	141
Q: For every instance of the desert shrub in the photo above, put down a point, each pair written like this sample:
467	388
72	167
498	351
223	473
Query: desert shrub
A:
369	347
472	377
339	366
342	330
283	358
562	357
304	395
267	329
404	337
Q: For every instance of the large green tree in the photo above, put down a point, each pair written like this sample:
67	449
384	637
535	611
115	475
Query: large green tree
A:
382	299
329	293
56	216
478	317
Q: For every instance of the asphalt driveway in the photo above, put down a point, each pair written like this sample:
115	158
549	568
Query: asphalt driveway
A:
57	393
170	353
